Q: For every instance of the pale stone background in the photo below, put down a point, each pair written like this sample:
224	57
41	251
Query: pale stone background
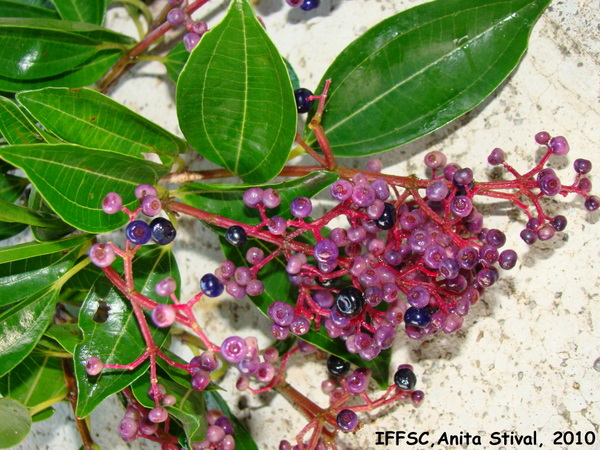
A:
528	358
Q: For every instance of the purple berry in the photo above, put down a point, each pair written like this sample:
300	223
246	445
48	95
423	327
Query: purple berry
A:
463	177
341	190
253	197
233	349
325	251
163	315
145	189
190	41
158	414
112	203
176	16
384	336
128	428
542	137
347	420
199	27
418	297
165	287
138	232
271	198
151	205
382	191
461	206
559	222
436	190
592	203
508	259
559	146
582	166
294	4
550	185
102	255
277	225
363	195
435	160
528	236
200	380
301	207
497	157
281	313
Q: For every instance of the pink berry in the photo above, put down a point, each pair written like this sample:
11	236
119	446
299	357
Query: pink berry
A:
112	203
145	189
93	366
163	315
102	255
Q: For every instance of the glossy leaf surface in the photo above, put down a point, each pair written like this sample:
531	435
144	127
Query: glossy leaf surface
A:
19	279
235	102
90	11
37	382
15	422
68	335
89	118
74	180
420	69
84	74
189	410
278	287
23	325
226	200
117	339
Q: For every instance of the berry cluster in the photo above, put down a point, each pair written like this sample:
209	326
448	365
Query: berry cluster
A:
177	16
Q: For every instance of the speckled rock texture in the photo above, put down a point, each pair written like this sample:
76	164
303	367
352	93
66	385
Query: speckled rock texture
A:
528	358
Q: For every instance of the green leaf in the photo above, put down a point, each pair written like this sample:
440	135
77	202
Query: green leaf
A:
84	74
22	327
8	230
118	339
243	439
15	127
58	231
34	249
90	11
278	287
15	422
74	180
293	76
235	102
175	60
68	335
37	383
16	8
226	199
43	415
420	69
19	279
28	52
10	212
89	118
189	409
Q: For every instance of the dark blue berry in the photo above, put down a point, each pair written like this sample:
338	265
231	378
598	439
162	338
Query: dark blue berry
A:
211	286
405	379
236	235
387	218
302	94
163	231
349	301
307	5
138	232
337	366
417	317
